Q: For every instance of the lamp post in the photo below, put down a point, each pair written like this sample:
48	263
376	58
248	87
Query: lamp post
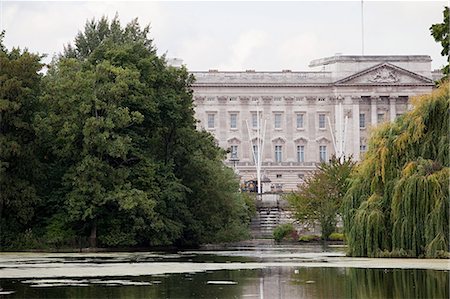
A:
234	160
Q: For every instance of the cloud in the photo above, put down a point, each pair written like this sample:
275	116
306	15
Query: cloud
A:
245	48
299	50
45	27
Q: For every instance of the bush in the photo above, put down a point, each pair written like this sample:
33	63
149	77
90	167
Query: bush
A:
336	237
284	231
308	238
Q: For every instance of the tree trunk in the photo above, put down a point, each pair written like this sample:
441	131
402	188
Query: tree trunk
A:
93	236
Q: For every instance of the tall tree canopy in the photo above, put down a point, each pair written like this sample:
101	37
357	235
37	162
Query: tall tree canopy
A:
398	201
115	135
121	124
19	92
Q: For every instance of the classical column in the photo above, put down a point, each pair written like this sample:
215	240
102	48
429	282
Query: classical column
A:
373	111
288	129
355	128
392	110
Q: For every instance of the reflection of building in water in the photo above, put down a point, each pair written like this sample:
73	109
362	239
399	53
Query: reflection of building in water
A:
291	282
306	116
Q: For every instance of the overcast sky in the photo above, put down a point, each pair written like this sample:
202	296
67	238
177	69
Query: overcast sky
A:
239	35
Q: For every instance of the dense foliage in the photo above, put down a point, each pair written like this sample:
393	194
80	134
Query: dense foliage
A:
440	33
111	135
398	201
19	92
320	196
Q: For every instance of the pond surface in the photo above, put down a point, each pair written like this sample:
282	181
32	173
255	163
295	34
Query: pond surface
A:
264	272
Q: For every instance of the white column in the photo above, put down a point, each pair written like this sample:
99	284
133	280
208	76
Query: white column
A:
392	110
355	128
373	111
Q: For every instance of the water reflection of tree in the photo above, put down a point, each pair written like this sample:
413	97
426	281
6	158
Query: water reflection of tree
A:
396	283
372	283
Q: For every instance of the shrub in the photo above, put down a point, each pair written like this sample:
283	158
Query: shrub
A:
336	237
283	231
308	238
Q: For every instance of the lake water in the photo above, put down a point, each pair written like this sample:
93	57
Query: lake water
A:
259	272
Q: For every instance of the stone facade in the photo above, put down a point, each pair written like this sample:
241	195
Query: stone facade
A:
308	116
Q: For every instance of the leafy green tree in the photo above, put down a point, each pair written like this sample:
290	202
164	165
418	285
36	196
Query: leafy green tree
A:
319	198
398	201
120	131
19	167
440	33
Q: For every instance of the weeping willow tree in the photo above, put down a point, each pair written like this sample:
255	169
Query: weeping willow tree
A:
398	200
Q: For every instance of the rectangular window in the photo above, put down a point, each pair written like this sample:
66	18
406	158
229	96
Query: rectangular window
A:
255	153
211	120
300	153
380	117
362	120
279	176
234	151
277	121
233	120
323	153
321	121
362	148
254	120
278	154
300	121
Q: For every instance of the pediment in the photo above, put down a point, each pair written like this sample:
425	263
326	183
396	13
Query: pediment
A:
234	140
301	140
385	74
279	140
322	139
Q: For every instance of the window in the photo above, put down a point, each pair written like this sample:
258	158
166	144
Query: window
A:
255	153
380	117
321	121
300	121
277	121
300	153
301	176
362	120
233	120
234	151
362	148
279	176
278	156
323	153
254	120
211	121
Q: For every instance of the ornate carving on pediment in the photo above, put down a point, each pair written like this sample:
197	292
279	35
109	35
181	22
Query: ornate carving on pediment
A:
384	75
301	140
322	140
289	99
234	140
278	140
267	98
222	99
244	98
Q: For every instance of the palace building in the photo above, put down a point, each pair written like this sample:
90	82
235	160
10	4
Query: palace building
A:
289	121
